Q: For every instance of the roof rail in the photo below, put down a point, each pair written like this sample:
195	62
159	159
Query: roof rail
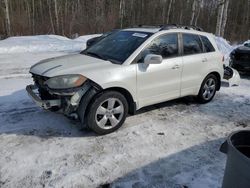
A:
149	26
175	26
171	26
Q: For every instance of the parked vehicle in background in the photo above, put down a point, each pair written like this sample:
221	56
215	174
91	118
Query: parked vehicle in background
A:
240	58
127	70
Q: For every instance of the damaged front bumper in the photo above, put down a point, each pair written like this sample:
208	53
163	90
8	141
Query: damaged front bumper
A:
46	104
67	101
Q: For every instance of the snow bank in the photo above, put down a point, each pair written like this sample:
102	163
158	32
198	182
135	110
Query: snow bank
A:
224	47
43	43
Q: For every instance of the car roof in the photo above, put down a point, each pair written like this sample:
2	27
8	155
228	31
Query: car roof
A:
152	29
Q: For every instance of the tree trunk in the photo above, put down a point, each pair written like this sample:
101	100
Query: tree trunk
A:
193	12
33	17
169	11
7	18
220	17
29	15
200	4
56	16
224	19
164	11
121	12
248	13
50	16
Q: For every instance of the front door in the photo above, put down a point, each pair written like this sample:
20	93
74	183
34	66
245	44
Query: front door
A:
160	82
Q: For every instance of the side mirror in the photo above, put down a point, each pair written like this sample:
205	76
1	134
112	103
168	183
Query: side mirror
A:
153	59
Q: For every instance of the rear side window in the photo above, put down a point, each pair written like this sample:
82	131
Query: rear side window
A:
165	45
207	44
192	44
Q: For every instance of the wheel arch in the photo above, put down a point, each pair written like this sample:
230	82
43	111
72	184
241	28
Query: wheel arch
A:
127	95
218	77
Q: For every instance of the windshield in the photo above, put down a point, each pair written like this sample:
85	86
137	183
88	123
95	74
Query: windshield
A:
118	46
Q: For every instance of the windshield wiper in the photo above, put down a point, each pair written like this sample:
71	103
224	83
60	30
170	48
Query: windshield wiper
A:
95	55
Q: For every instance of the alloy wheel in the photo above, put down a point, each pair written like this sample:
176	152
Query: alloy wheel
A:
109	113
209	89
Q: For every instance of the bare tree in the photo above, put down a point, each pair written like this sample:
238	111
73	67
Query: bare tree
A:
33	16
50	16
220	17
200	4
7	18
169	10
193	12
164	3
224	18
56	15
122	12
67	17
248	17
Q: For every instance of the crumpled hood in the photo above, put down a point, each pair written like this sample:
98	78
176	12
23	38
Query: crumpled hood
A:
72	64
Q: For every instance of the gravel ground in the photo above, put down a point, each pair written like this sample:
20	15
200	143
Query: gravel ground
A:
175	144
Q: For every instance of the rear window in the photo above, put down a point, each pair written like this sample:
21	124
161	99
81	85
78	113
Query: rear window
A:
192	44
207	44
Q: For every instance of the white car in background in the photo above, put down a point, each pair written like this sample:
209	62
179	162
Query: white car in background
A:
127	70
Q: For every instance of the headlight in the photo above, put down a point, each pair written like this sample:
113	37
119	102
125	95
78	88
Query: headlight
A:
65	81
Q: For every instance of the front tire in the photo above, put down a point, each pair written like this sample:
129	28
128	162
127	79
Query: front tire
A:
208	89
107	112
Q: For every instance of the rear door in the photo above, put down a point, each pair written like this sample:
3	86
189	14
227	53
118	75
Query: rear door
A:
194	61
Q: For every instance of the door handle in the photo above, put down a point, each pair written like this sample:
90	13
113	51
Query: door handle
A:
176	67
204	60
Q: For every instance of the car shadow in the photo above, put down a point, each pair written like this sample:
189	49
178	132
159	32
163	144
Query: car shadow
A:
19	115
197	166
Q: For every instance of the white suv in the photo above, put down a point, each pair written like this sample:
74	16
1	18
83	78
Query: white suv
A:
127	70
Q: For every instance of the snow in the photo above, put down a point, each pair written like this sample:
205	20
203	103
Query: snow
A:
225	47
43	43
246	42
174	144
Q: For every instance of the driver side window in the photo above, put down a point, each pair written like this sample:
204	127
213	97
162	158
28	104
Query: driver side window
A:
165	45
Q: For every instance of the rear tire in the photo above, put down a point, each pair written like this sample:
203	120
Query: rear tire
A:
208	89
107	112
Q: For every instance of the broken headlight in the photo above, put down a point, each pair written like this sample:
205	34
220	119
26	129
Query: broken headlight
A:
65	81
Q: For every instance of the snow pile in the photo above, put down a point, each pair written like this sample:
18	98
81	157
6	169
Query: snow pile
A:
43	43
224	47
